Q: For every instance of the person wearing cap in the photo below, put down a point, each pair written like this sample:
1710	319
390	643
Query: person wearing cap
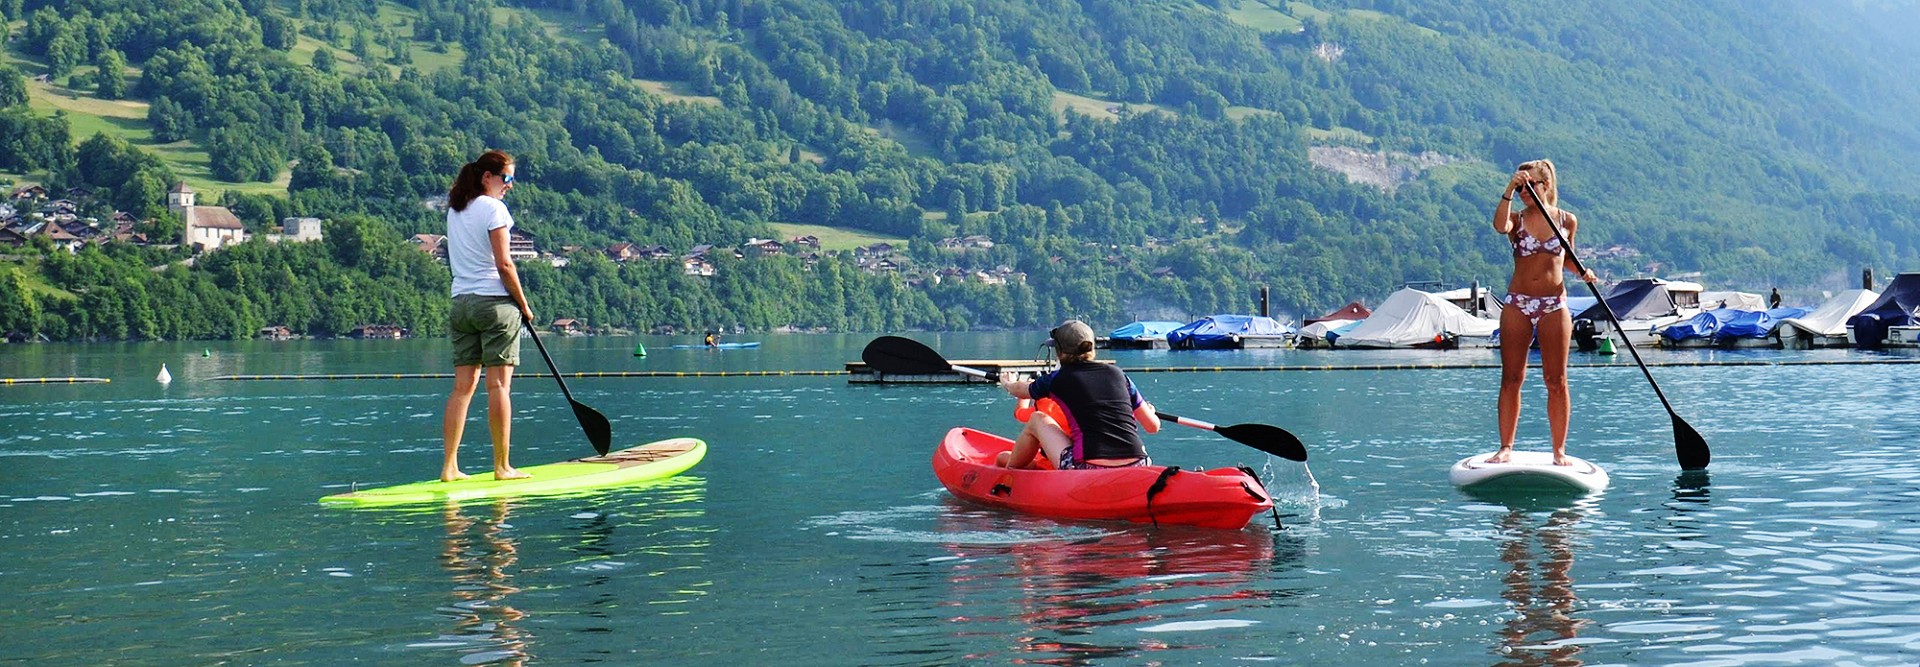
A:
1104	411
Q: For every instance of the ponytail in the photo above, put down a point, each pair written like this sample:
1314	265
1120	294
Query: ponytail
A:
468	184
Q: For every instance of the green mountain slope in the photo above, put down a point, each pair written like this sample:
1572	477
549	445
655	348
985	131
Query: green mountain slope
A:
1124	156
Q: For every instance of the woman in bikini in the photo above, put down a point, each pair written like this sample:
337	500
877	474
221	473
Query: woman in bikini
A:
1536	300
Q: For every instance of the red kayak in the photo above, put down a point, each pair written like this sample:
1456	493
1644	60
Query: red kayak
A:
1218	498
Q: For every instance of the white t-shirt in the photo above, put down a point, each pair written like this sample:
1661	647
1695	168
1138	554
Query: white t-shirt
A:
470	252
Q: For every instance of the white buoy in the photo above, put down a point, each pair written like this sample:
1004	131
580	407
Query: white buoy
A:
164	377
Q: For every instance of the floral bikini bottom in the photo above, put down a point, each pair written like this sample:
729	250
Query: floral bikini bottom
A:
1536	307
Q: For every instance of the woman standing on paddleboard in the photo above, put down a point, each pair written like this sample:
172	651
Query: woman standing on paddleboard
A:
488	307
1536	300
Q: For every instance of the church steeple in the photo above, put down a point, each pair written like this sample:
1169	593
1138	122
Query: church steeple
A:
180	197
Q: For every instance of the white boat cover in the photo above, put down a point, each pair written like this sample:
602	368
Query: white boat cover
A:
1830	319
1318	330
1734	300
1411	317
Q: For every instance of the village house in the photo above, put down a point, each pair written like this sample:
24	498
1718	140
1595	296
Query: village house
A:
520	247
697	266
623	252
28	193
207	228
380	331
808	241
656	252
275	332
569	327
301	230
758	246
432	244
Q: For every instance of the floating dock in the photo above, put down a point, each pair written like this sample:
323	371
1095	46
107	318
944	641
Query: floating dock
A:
859	372
53	380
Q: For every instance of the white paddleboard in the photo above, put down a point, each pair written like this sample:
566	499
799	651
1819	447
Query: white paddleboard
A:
1528	470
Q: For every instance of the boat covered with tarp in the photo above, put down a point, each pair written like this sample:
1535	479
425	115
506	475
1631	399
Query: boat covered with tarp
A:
1413	318
1144	330
1748	326
1643	305
1141	335
1826	324
1697	330
1322	333
1897	307
1230	332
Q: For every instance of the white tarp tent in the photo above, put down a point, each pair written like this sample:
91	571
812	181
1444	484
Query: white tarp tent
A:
1734	300
1830	319
1411	317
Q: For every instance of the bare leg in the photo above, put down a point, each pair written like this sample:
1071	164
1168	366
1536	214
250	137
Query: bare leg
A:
454	423
500	420
1516	335
1042	435
1555	336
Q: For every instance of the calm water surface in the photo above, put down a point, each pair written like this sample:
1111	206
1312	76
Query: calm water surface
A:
177	525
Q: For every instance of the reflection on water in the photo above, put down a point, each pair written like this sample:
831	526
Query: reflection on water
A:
1538	588
481	556
1072	598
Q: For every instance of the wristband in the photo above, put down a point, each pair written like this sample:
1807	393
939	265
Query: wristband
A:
1506	197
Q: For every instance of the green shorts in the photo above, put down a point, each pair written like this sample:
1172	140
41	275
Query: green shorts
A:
486	330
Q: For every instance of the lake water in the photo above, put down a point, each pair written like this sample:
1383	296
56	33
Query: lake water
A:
177	525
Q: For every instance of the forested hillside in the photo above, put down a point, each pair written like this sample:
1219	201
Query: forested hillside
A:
1123	156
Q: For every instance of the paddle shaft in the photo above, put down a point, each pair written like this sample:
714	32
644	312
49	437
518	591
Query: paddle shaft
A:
1619	330
555	369
1183	421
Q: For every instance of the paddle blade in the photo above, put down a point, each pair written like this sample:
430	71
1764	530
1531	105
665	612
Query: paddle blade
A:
1691	448
1267	438
599	432
903	356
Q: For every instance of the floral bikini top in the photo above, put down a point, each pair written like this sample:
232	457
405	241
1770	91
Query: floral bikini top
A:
1525	244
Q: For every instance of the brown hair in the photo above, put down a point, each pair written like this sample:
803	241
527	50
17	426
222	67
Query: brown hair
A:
1551	192
467	185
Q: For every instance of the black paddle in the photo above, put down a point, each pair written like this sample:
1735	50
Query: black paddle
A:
906	356
1687	443
599	432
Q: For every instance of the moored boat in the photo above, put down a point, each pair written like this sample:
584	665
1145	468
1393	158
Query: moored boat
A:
1220	498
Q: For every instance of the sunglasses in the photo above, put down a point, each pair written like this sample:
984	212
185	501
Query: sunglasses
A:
507	179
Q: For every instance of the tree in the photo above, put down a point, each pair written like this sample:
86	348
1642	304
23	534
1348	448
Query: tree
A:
19	309
323	60
13	87
169	120
110	79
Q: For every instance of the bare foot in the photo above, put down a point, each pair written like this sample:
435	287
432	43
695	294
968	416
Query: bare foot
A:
452	475
509	473
1502	456
1560	459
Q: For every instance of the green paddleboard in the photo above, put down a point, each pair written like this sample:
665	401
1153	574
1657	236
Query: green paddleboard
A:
654	460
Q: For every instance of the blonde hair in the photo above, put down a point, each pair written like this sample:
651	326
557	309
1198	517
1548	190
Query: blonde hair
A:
1551	192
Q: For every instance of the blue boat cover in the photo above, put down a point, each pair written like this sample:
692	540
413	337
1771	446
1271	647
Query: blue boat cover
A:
1704	325
1146	330
1216	332
1898	306
1756	323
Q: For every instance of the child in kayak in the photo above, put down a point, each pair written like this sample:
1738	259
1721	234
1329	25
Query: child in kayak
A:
1104	412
